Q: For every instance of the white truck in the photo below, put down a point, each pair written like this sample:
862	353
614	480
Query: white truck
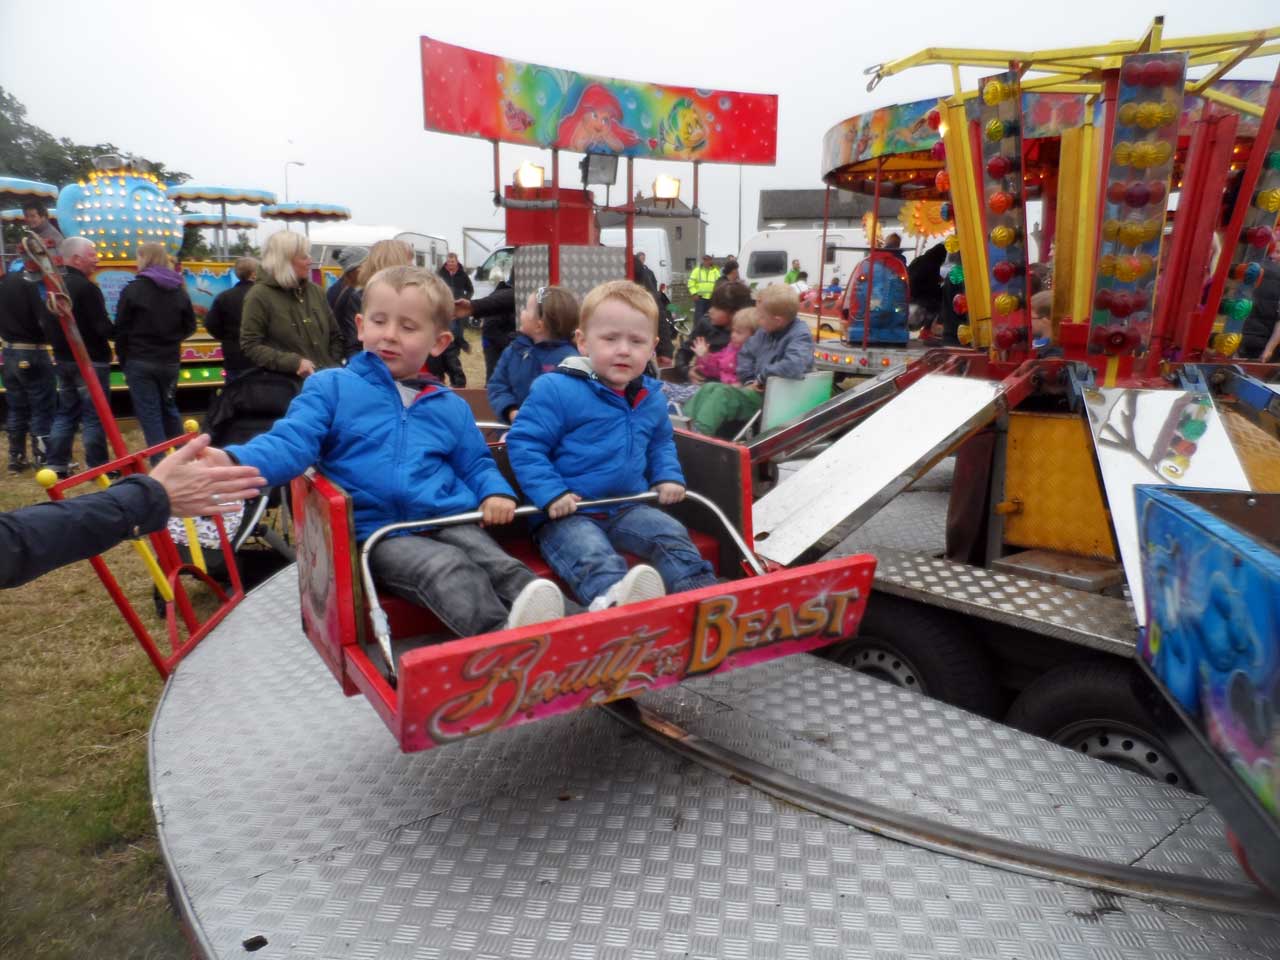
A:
766	256
653	242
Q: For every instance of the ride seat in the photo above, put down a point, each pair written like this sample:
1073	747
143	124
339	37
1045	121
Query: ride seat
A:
409	620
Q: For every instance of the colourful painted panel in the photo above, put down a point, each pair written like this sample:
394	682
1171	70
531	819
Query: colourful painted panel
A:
1213	634
478	94
1136	198
901	128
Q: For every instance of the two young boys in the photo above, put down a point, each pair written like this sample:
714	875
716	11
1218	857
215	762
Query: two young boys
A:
406	448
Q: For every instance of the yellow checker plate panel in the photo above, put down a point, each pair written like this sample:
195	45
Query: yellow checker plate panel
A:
1050	472
1258	451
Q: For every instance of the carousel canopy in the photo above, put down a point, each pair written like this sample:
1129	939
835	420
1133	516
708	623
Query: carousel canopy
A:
15	216
302	212
211	194
19	191
215	220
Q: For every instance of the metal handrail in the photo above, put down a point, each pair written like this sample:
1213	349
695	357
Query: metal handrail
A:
381	626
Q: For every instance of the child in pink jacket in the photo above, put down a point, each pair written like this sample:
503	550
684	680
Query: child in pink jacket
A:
723	365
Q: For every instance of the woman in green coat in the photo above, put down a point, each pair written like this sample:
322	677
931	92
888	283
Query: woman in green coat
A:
287	325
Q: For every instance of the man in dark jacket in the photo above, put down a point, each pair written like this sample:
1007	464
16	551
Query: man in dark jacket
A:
498	312
449	363
1262	326
715	327
223	319
75	405
35	540
31	390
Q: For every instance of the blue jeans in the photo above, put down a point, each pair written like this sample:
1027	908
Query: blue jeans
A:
583	550
152	388
75	407
31	394
458	573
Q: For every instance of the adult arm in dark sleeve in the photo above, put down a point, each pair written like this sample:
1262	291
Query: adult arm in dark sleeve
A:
216	320
35	540
468	289
188	317
124	324
498	302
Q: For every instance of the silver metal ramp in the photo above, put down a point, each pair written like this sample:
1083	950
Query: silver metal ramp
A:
290	821
833	494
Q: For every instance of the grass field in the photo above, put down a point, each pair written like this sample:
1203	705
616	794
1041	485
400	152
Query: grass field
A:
80	869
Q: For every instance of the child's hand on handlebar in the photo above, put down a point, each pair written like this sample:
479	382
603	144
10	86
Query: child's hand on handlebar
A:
496	511
563	506
669	493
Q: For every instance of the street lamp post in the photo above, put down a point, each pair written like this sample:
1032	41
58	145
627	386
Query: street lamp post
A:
287	165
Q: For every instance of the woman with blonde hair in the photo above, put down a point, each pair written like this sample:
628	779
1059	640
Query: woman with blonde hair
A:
287	326
153	316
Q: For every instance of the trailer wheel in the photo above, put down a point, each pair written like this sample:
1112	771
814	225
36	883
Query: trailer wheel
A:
1091	708
922	649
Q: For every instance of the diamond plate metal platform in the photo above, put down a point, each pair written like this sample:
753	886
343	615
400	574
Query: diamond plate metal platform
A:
286	813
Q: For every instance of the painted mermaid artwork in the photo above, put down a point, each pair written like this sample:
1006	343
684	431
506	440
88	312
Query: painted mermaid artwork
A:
596	124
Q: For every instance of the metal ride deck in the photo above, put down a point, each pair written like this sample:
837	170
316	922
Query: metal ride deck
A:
293	826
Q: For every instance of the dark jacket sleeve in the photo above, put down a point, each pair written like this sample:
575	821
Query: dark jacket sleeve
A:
35	540
124	322
215	321
468	289
498	302
188	316
91	312
502	396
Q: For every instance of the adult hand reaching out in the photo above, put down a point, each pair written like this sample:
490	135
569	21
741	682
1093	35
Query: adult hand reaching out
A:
306	368
202	480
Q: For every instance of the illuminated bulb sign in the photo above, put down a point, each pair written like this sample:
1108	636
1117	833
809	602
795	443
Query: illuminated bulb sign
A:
119	210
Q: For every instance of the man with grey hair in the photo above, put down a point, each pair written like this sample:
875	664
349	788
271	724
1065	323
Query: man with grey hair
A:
75	405
223	319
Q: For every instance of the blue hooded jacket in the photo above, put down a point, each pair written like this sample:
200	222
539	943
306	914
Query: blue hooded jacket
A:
576	435
398	463
520	364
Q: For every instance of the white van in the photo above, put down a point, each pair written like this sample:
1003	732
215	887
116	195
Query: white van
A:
653	242
766	257
328	242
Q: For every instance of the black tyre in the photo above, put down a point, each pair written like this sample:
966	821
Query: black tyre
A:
1091	707
922	649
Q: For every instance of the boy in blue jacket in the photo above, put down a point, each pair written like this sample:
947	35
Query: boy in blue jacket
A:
596	427
405	447
547	323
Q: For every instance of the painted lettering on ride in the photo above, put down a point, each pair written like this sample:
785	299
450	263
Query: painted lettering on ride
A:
510	681
720	631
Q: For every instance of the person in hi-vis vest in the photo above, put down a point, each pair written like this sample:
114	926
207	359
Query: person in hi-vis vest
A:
702	281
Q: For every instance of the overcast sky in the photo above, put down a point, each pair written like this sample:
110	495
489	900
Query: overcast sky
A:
230	91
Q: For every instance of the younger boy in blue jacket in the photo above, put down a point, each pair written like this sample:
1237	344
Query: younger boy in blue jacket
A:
405	447
547	324
596	427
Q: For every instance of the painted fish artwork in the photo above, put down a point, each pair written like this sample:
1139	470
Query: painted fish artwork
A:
477	94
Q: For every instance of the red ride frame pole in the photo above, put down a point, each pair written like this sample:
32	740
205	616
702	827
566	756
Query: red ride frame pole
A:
554	259
871	260
631	220
822	260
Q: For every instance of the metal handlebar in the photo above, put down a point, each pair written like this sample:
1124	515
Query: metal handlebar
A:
382	627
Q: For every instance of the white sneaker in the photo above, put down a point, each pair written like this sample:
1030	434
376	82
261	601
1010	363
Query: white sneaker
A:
642	582
539	601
